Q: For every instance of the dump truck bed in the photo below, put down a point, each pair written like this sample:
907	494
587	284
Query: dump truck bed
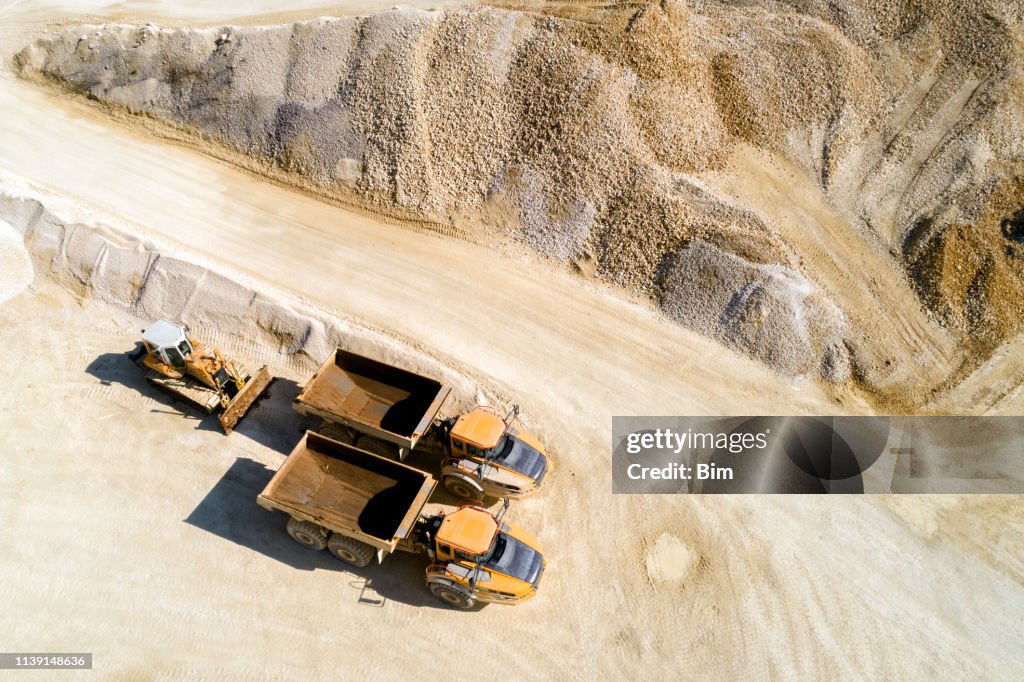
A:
373	397
349	491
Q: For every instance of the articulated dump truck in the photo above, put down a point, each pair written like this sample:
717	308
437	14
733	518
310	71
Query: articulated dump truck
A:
183	367
357	505
485	455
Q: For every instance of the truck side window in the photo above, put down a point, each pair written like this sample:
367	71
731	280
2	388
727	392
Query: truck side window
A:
444	549
462	556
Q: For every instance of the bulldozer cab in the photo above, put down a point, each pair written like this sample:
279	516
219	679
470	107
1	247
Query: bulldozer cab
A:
168	342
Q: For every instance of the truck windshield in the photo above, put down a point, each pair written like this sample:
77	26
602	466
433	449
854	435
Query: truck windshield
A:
498	450
518	456
515	558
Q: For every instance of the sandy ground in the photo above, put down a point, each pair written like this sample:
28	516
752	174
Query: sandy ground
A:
134	533
15	264
134	526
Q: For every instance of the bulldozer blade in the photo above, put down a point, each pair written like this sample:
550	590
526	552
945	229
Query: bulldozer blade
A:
244	399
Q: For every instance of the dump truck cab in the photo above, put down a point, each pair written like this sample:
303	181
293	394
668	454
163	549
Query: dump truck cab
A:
490	457
478	557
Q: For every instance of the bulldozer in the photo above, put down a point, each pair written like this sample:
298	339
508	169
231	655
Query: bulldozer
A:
183	367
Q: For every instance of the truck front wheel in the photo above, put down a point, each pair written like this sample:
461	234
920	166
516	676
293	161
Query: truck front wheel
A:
350	550
307	533
452	596
463	488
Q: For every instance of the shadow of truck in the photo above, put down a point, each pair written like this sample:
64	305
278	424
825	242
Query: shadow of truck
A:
230	511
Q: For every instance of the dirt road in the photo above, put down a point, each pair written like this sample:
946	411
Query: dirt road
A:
138	537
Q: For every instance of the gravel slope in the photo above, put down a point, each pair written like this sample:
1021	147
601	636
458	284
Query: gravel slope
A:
596	134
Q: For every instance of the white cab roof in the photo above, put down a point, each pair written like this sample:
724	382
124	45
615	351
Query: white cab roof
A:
162	334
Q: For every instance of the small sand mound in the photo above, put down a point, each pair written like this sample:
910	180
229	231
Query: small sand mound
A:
15	264
670	561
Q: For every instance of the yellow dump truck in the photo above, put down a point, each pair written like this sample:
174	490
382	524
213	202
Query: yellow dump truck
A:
485	454
357	505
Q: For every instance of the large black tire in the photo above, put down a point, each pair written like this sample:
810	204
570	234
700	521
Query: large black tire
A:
350	550
307	533
452	596
463	488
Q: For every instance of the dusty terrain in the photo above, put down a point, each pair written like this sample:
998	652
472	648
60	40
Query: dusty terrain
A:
133	529
167	567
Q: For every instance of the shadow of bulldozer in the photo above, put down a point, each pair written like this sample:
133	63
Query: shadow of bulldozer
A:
270	421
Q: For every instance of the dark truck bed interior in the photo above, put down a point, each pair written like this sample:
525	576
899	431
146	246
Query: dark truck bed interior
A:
347	487
372	392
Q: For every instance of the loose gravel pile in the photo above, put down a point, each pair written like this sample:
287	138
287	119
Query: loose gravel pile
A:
593	132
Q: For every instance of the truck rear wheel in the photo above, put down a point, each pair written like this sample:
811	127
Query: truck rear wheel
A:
463	488
307	533
350	550
452	596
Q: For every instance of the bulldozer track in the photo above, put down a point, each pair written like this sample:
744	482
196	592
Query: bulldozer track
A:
182	390
119	394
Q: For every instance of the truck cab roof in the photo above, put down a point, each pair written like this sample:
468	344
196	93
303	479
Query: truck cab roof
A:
480	428
470	530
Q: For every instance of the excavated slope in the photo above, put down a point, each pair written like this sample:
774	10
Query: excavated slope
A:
796	179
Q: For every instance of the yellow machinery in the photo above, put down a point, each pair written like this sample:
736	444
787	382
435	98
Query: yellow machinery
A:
485	454
359	505
489	457
479	557
186	369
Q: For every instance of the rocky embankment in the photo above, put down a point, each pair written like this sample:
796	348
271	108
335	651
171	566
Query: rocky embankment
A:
601	136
